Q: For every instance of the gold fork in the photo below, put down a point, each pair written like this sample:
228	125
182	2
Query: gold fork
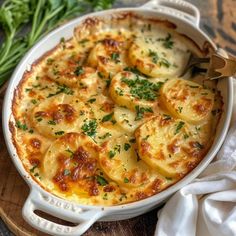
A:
218	66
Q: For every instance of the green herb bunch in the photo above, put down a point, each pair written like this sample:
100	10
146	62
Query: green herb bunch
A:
39	17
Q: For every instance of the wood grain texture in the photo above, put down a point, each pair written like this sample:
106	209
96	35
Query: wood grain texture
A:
219	22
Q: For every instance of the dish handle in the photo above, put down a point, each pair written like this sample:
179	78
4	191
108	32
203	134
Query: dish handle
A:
82	218
178	8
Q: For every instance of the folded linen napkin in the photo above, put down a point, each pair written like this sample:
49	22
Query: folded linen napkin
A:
207	206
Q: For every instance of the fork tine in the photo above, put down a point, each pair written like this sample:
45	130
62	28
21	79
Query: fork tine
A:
194	61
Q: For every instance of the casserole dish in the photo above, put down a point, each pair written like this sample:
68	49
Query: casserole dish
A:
186	18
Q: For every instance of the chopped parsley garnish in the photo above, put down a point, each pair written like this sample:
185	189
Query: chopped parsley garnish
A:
106	135
36	85
180	109
92	100
51	122
34	101
164	62
33	168
108	82
31	131
101	181
156	59
50	61
62	89
179	127
154	56
66	172
84	41
70	152
146	138
120	92
100	74
198	145
90	128
141	110
79	71
143	88
39	119
167	42
21	126
37	175
107	117
123	195
115	57
126	180
127	146
112	153
59	133
168	178
105	197
186	136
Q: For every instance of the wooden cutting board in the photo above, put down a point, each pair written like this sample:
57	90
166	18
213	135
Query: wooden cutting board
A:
14	191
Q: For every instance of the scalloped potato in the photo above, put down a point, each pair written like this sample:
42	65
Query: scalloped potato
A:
171	146
163	56
187	100
103	119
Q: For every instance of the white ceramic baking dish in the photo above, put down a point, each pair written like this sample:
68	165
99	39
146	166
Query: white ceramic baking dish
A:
186	17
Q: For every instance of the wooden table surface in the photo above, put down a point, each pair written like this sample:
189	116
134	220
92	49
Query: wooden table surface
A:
218	20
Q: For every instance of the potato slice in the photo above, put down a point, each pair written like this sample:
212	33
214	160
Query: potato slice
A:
120	162
130	120
187	100
131	90
84	78
172	146
58	115
158	57
68	152
109	56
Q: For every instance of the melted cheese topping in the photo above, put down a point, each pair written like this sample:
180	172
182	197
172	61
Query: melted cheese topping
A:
102	119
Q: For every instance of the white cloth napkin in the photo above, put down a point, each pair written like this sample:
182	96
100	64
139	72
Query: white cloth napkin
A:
207	206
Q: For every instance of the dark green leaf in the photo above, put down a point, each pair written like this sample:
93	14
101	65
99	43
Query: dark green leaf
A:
112	154
179	127
21	125
90	128
127	146
107	117
101	181
126	180
79	71
59	133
